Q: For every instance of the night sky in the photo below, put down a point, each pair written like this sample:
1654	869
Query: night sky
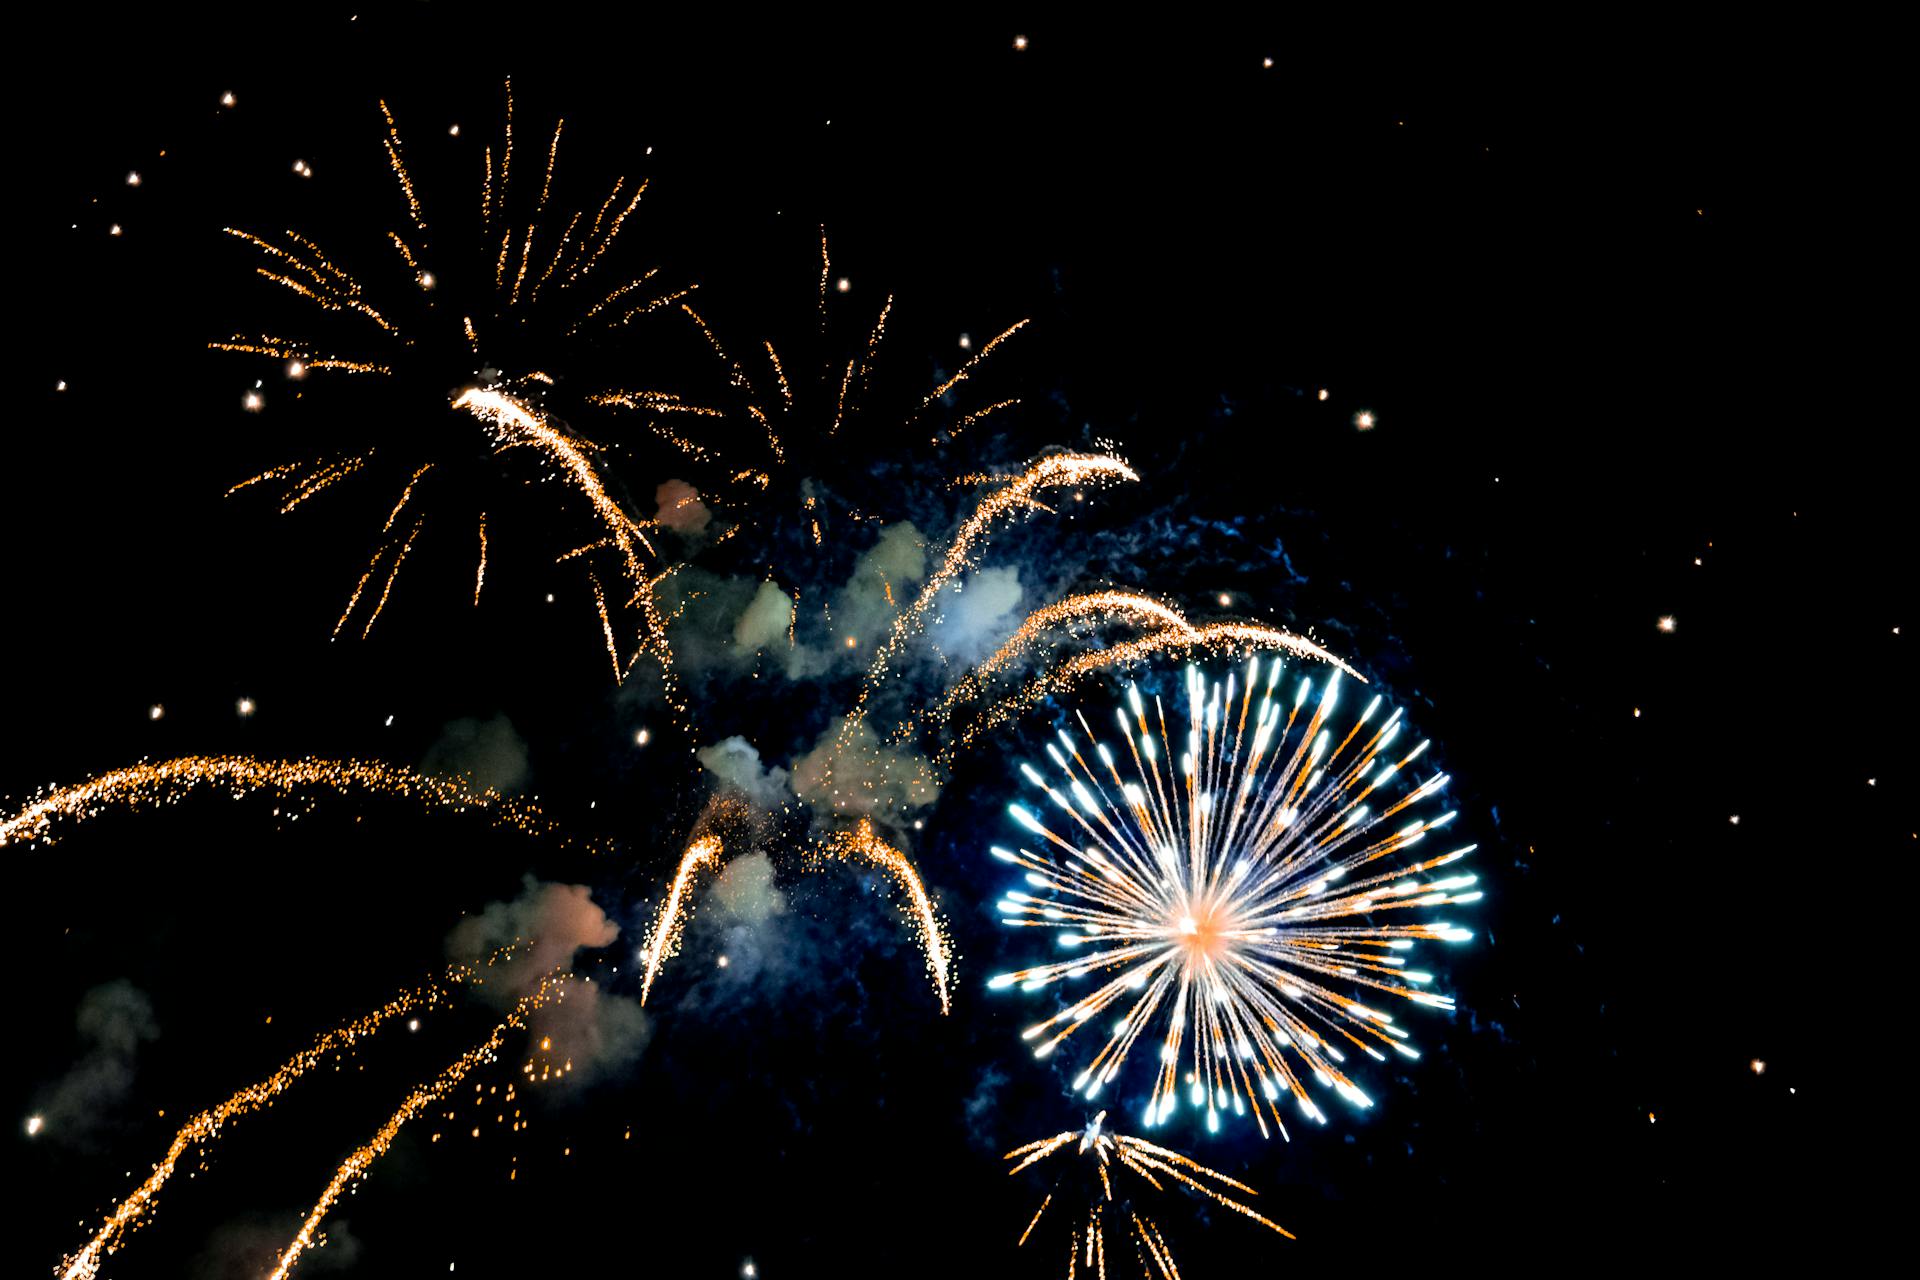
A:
1608	301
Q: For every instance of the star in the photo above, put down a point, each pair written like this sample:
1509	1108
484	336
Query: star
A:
1666	624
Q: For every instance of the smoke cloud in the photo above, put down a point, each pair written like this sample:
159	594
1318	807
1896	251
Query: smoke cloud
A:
864	778
737	764
766	620
745	891
248	1247
976	614
488	753
597	1031
680	508
114	1020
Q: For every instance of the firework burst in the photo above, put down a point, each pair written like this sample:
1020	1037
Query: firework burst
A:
1232	899
1103	1155
491	307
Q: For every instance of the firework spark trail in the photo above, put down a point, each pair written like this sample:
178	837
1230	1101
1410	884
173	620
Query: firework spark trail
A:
1213	896
321	478
966	370
480	573
669	927
918	907
515	424
286	349
131	1213
392	573
953	432
1048	473
355	1166
1107	1154
1173	633
399	166
168	781
1095	607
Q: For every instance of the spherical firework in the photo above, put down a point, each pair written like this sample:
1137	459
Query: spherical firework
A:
1240	908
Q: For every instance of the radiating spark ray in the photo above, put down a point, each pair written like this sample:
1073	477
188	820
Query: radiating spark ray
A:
669	926
392	573
399	166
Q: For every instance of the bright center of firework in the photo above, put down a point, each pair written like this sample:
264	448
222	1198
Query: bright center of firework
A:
1225	912
1205	933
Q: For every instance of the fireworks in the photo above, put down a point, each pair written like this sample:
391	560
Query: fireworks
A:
918	907
355	1166
440	323
168	781
206	1127
1236	904
1167	631
703	855
670	925
1017	493
1106	1154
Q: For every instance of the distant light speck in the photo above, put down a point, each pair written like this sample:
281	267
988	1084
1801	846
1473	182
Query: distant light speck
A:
133	178
244	707
1364	419
36	1123
1667	624
155	711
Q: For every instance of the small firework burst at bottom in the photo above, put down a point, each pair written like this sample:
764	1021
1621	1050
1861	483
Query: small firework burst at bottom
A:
1111	1218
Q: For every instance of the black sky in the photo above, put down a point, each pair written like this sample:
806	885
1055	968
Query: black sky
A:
1624	300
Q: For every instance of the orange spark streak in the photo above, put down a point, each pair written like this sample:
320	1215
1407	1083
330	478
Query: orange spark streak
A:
670	926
